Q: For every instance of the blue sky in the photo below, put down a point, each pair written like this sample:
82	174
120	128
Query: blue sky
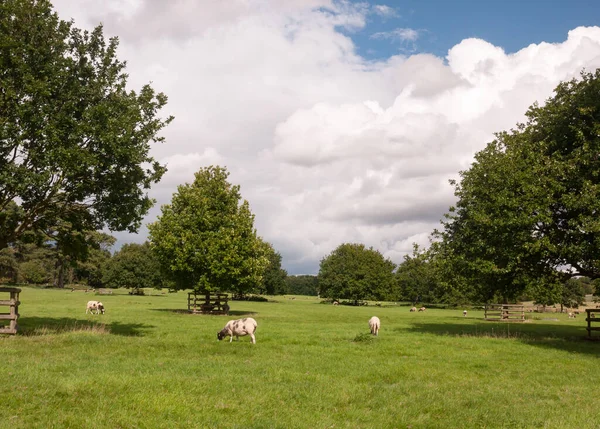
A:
441	24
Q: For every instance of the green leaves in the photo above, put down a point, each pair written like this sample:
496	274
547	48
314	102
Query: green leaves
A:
528	208
74	142
205	239
352	271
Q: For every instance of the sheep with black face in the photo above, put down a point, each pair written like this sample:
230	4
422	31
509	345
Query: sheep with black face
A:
239	328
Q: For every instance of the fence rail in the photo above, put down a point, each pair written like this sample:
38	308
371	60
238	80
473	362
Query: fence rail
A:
505	312
208	303
591	318
13	311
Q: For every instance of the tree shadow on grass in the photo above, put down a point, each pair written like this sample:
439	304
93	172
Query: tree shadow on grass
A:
567	337
182	311
39	326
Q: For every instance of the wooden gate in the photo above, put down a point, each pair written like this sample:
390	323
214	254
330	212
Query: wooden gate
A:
13	310
208	303
505	312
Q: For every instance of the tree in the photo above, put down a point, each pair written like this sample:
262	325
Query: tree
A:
354	272
417	278
527	208
135	267
74	142
92	268
205	239
302	285
273	280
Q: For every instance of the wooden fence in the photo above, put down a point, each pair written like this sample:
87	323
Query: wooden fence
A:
591	318
208	303
13	314
505	312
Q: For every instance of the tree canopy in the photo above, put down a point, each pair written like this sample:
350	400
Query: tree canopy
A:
354	272
527	209
205	239
74	140
134	266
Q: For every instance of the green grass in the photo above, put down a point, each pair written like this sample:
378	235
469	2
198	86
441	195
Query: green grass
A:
146	363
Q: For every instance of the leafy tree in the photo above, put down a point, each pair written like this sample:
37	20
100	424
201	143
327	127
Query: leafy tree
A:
354	272
573	294
273	280
302	285
74	142
205	239
92	268
417	278
134	266
527	208
9	267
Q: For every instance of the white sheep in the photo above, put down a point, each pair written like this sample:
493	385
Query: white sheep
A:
422	309
239	328
413	309
374	325
465	313
96	306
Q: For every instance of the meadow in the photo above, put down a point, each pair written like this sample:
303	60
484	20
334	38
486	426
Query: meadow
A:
147	363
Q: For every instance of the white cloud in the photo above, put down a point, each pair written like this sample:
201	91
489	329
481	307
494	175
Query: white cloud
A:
399	34
327	147
385	11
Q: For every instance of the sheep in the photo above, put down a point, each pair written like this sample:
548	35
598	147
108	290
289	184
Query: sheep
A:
464	313
239	328
336	302
422	309
374	325
572	315
94	305
413	309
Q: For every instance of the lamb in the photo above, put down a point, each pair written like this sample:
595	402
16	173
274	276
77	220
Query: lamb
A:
239	328
94	306
374	325
464	313
572	315
422	309
413	309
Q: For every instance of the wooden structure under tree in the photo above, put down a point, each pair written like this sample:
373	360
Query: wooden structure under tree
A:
13	314
505	312
208	302
591	317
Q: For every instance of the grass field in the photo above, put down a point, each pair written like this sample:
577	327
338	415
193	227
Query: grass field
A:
147	363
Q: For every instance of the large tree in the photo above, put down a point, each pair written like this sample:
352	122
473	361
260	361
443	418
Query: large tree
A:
355	272
134	266
74	140
273	280
205	239
527	209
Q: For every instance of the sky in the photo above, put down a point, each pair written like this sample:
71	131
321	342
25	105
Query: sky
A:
341	121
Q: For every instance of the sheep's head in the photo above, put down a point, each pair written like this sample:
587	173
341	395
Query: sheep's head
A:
221	334
101	307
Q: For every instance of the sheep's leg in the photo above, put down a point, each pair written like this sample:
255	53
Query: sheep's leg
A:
230	338
253	338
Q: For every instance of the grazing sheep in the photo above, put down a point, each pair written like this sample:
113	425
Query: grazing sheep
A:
572	315
239	328
464	313
94	306
413	309
336	303
374	325
422	309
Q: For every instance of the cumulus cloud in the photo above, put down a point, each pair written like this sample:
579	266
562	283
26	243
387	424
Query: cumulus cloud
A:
327	147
